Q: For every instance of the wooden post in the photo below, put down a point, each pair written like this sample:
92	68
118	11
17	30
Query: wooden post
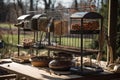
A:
112	26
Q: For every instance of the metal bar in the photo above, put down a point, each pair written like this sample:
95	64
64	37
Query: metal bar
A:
18	41
81	45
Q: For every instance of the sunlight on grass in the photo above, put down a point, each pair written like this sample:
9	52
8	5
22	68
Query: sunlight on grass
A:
75	42
6	25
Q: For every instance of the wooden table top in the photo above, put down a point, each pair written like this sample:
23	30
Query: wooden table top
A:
39	73
34	73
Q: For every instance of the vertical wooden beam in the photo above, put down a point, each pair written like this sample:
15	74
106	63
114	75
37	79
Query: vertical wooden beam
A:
112	26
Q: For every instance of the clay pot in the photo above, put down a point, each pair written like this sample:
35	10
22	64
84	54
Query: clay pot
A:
62	61
60	65
40	61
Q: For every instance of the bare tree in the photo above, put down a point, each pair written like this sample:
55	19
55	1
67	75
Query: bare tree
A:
53	4
47	4
11	13
31	5
76	4
2	11
21	6
37	5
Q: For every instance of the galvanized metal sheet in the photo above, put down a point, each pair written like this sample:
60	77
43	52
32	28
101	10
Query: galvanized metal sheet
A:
36	16
78	14
23	17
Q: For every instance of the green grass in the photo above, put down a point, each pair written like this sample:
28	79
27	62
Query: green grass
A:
75	42
10	39
11	42
13	39
7	25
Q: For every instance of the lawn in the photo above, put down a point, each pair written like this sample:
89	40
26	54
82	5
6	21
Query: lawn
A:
6	25
76	42
68	41
11	40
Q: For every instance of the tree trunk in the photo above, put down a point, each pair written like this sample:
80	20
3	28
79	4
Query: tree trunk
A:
47	4
31	5
112	26
20	4
76	5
